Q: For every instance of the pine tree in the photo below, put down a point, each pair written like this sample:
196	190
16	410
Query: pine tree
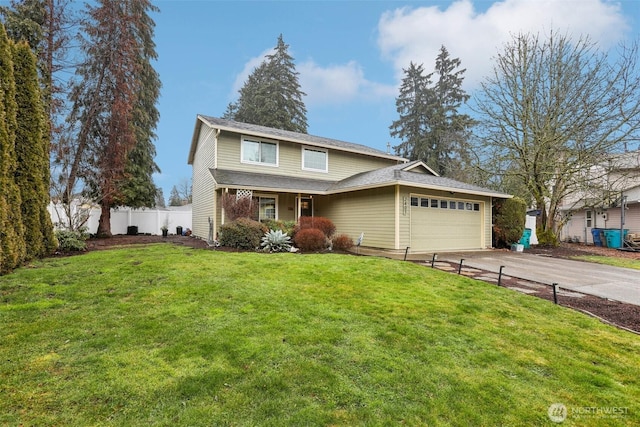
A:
174	197
116	127
413	106
449	129
32	155
271	96
12	246
430	127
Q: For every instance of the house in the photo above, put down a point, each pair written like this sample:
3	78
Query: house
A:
614	182
394	202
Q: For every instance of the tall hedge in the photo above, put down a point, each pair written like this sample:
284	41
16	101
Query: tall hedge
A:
12	244
32	154
509	217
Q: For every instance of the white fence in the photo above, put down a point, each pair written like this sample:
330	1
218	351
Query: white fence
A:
148	221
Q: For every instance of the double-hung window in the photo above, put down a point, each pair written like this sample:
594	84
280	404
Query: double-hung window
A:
315	159
259	152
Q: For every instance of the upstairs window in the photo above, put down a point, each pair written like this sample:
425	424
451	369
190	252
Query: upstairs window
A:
259	152
315	159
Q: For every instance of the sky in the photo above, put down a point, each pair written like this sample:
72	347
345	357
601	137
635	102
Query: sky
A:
349	55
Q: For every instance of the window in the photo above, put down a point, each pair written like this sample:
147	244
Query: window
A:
260	152
424	203
461	206
452	204
414	201
469	206
315	159
476	207
588	218
444	204
434	203
267	208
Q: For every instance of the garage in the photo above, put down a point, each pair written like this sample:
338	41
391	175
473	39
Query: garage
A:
439	223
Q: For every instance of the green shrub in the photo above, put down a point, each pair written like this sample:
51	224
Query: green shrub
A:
318	222
243	233
71	241
509	216
284	226
276	241
310	239
342	242
547	237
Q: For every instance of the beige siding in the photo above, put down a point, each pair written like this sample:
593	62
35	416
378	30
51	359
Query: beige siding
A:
341	164
445	229
203	184
576	226
371	212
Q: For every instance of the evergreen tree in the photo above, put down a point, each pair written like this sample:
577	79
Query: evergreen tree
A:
174	197
430	127
160	203
413	106
12	246
116	127
449	129
32	155
271	96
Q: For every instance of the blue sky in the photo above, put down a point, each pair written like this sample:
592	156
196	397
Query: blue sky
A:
349	54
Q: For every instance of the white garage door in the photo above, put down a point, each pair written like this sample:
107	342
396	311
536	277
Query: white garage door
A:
445	224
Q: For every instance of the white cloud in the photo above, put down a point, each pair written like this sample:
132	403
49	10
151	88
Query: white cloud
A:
416	34
249	66
338	84
330	85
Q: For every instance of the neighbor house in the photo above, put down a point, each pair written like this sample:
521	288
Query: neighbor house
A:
394	203
609	184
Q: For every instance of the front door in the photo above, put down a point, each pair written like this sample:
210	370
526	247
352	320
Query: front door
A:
305	206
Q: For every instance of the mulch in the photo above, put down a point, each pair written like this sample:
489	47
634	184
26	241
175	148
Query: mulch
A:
623	315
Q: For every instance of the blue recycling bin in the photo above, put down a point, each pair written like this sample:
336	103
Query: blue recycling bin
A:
595	232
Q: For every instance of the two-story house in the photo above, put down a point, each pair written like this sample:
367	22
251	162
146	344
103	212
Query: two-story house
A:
395	203
598	204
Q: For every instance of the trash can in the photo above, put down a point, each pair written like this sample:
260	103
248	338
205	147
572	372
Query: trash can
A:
595	232
525	240
132	230
179	230
613	238
603	237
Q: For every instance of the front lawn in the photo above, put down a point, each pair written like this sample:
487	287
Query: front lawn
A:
166	335
607	260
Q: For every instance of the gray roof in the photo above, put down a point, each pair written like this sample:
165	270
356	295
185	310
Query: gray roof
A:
238	179
233	126
392	175
400	174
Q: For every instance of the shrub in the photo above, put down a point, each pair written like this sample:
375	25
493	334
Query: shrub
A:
509	217
284	226
235	208
547	237
243	233
342	242
310	239
321	223
71	241
276	241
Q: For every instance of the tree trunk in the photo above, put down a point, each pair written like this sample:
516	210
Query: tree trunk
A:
104	224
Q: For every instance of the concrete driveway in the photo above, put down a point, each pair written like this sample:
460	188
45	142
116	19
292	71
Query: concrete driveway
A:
620	284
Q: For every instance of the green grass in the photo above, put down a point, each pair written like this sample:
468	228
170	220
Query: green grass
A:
616	262
165	335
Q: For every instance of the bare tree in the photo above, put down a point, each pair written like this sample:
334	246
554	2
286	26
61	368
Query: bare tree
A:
553	108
